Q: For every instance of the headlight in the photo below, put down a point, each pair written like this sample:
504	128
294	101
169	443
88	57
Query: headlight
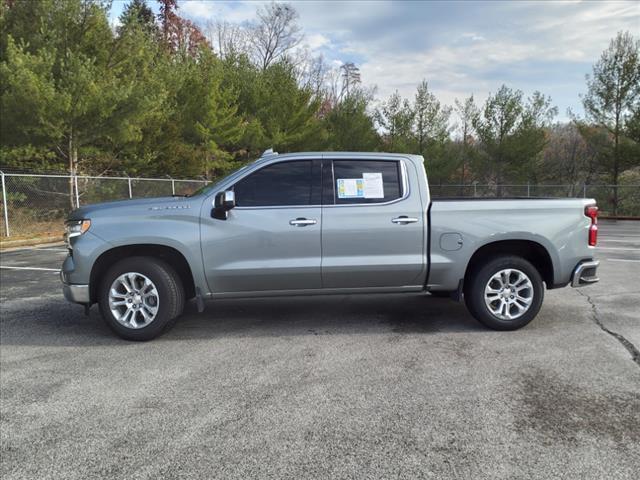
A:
75	228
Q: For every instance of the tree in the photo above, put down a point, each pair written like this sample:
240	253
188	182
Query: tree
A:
227	39
180	35
396	117
466	112
430	117
74	91
568	158
349	126
431	131
350	78
275	34
613	98
287	113
512	136
137	13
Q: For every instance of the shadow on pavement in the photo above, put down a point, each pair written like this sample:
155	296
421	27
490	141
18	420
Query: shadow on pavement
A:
53	322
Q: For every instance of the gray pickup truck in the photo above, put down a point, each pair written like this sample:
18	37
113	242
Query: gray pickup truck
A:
324	223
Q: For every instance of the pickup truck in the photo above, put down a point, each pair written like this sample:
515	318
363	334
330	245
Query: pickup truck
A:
324	223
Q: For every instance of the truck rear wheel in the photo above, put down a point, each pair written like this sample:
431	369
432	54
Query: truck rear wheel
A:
140	297
505	294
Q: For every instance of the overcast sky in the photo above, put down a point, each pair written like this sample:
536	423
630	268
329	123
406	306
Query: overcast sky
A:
458	47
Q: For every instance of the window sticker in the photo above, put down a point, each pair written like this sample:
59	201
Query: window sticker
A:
373	186
350	188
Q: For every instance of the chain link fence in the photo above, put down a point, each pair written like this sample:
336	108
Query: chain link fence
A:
37	205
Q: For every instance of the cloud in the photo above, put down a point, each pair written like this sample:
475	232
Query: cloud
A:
201	11
316	40
459	47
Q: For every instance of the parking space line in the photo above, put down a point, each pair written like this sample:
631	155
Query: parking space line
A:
31	268
618	248
621	260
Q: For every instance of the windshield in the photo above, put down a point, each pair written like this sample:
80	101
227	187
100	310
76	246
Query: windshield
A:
205	189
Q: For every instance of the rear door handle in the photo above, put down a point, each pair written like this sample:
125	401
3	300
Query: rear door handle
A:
302	222
403	220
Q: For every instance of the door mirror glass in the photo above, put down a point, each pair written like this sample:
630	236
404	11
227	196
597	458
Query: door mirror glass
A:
222	203
225	200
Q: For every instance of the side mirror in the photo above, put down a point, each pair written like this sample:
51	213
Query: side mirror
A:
222	203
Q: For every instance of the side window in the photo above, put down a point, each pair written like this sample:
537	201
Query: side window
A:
366	181
279	184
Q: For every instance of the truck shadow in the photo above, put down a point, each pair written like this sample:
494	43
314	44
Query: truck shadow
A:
59	323
327	315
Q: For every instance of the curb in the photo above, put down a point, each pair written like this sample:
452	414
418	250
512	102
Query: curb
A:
6	245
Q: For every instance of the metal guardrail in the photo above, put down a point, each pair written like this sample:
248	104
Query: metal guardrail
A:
33	205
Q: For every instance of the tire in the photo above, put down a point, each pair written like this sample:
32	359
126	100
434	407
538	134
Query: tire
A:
494	301
140	298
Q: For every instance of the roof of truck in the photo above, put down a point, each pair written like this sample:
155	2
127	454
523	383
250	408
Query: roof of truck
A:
352	155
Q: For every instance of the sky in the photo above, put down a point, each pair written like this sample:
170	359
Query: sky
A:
459	47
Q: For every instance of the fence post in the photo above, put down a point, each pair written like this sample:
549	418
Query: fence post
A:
4	204
130	192
528	189
584	190
75	184
173	187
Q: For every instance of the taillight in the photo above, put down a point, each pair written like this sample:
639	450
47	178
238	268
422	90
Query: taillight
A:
591	211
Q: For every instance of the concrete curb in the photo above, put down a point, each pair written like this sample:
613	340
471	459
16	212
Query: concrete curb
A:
7	245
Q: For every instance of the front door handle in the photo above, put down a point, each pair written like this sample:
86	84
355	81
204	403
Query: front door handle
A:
403	220
302	222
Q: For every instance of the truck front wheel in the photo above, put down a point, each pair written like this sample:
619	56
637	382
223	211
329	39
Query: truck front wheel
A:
506	293
140	297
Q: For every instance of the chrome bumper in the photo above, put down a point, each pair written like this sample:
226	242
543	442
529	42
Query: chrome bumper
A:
585	273
75	293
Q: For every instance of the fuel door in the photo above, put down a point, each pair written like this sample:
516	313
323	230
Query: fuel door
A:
450	242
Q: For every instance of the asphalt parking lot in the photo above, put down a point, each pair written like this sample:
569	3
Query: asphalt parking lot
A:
336	387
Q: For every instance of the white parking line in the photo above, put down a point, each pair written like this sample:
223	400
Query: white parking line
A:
31	268
618	248
621	260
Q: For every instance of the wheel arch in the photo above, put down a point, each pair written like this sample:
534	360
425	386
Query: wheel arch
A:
168	254
534	252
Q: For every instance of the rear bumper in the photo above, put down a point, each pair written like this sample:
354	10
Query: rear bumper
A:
585	273
76	293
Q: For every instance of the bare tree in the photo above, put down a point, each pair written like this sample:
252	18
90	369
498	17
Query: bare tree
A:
568	157
275	34
350	78
228	39
311	72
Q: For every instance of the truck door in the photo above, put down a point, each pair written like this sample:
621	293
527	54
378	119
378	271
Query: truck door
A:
373	225
271	239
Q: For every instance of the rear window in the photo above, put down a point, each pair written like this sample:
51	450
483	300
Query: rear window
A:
366	181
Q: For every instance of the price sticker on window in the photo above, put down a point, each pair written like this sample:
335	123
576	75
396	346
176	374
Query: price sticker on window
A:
350	188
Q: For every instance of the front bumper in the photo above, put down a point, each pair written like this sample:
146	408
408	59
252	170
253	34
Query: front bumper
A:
585	273
75	293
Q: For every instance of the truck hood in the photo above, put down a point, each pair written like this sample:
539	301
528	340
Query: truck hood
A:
135	206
